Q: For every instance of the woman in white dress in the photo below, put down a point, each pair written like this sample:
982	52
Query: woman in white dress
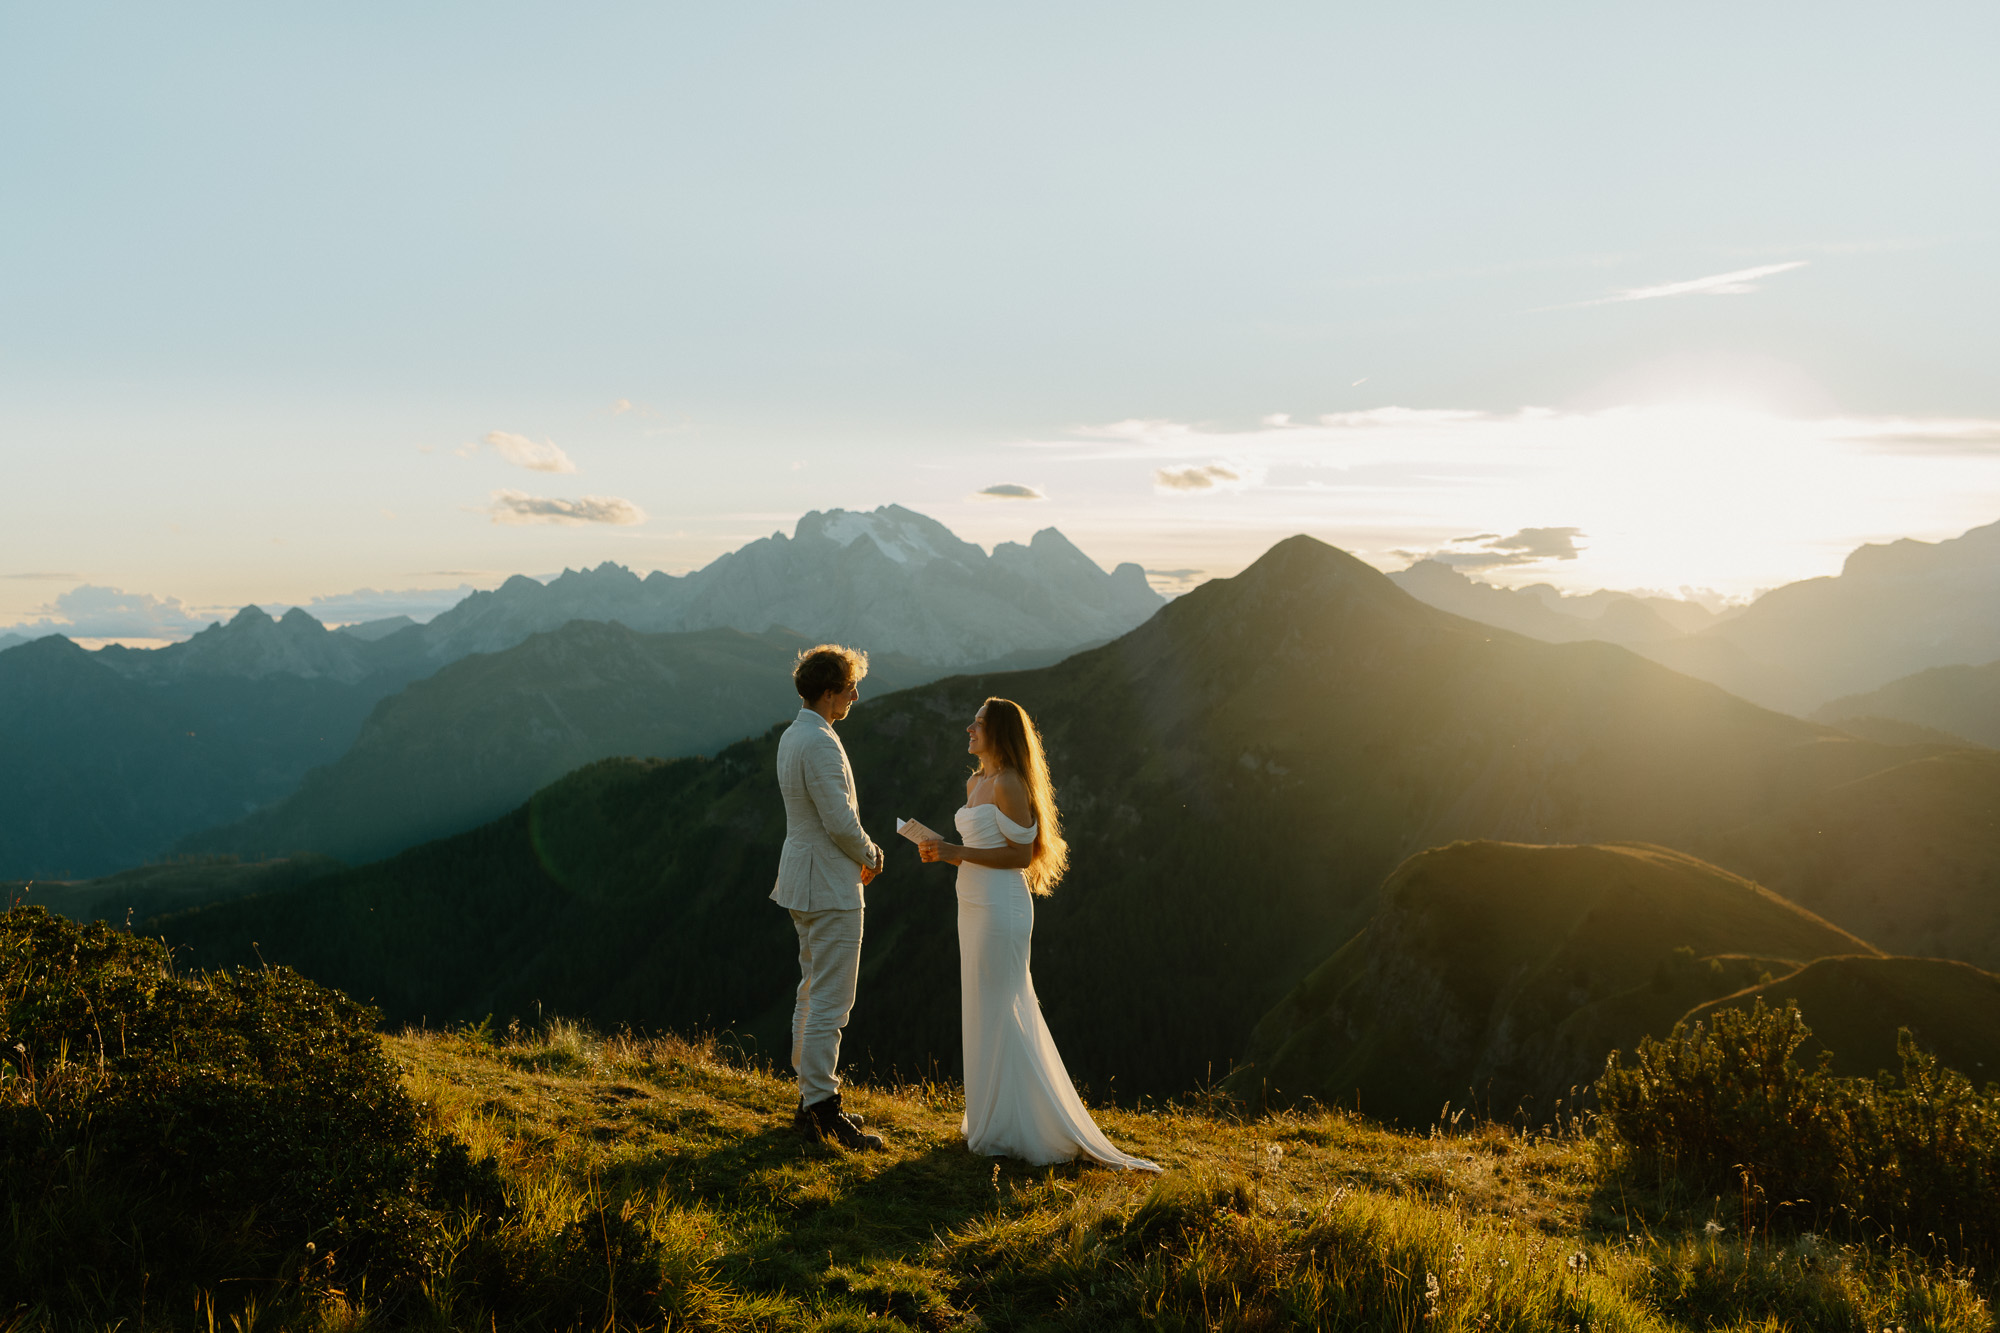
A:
1019	1101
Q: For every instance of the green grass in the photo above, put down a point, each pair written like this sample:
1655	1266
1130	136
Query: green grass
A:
661	1183
657	1184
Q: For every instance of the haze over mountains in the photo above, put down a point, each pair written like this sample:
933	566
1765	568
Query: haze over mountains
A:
1239	776
1961	701
1893	610
473	741
130	750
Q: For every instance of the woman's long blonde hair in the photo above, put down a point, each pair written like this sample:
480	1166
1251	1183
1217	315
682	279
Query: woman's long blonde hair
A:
1011	736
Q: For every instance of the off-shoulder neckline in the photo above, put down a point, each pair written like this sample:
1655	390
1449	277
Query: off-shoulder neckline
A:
1001	815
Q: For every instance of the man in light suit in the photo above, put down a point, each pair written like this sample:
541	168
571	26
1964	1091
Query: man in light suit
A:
826	861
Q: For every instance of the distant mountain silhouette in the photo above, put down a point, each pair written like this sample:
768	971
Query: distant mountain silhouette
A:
1893	610
266	700
1540	612
892	581
1957	700
472	742
1239	774
111	757
1495	973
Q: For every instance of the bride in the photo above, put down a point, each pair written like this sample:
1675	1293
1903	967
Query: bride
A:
1018	1098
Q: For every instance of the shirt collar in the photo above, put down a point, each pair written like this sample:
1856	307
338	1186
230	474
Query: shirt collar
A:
813	718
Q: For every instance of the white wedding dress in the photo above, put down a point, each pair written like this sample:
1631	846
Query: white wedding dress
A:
1019	1101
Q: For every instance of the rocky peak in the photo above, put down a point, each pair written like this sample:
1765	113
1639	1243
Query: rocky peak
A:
905	536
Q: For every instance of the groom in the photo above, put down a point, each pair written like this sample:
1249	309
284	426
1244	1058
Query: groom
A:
826	861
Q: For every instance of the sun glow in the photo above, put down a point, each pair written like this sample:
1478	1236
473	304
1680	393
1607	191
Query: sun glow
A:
1662	495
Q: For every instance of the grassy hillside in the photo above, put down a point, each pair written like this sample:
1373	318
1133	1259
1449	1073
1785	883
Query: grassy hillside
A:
1282	1221
1238	776
199	1151
1855	1005
1907	857
1500	975
1961	700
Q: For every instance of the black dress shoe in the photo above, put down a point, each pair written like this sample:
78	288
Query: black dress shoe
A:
842	1129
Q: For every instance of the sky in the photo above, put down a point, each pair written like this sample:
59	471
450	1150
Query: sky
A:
296	302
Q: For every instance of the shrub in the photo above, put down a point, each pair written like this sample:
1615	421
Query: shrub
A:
239	1135
1913	1154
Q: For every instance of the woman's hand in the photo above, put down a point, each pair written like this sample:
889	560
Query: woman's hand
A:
935	850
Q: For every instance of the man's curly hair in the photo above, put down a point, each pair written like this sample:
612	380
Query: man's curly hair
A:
828	667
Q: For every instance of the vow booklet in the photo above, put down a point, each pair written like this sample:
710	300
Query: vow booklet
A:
916	832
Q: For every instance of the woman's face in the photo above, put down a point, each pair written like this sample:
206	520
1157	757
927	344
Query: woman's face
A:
975	734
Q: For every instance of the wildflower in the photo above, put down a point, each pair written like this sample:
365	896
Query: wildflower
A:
1579	1262
1714	1228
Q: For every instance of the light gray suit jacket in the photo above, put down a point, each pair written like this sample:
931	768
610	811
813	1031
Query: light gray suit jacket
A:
825	846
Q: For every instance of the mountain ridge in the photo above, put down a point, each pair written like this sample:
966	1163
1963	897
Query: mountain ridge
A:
1239	775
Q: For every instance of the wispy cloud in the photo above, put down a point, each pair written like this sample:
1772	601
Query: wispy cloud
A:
41	577
1738	282
521	451
1009	491
1489	549
520	507
1205	477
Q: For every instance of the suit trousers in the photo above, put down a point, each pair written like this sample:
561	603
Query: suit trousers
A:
829	964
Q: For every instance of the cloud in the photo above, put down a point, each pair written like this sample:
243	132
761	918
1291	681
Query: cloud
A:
621	407
92	612
1009	491
524	452
520	507
38	576
1202	477
347	608
1737	283
1524	547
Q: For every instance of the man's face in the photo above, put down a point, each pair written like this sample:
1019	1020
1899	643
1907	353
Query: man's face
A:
843	700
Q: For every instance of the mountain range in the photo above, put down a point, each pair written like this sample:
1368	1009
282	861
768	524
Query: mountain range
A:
1239	775
125	752
892	581
112	755
1960	701
466	745
1895	609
